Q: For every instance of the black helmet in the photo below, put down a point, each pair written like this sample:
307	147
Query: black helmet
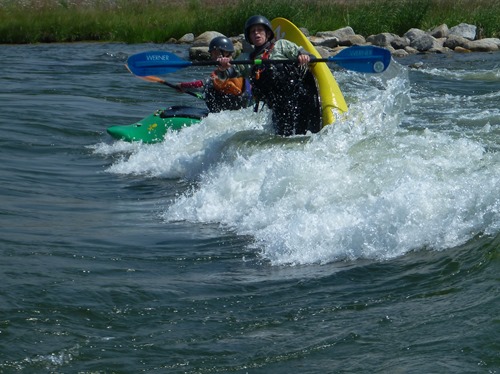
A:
257	20
222	44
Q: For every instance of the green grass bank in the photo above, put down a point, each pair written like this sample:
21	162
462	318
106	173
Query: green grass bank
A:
136	21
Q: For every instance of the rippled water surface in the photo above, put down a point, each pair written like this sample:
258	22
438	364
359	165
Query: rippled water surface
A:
372	246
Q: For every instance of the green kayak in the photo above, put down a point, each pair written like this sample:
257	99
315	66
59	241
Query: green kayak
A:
153	128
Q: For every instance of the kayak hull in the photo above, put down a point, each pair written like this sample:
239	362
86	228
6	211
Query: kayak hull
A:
153	128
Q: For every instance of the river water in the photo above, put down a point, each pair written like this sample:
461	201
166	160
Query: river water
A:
371	247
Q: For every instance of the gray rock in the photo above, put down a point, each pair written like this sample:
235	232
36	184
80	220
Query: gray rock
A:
464	30
382	40
454	41
324	52
238	47
424	43
400	53
203	40
414	34
484	45
400	42
441	31
188	38
329	41
199	54
352	40
417	65
199	49
411	50
305	31
340	33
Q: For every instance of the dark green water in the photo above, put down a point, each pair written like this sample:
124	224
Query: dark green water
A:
372	247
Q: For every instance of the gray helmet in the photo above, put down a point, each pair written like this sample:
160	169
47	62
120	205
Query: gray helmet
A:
222	44
257	20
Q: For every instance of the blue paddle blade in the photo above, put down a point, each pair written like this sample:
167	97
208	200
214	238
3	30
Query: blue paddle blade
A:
155	62
367	59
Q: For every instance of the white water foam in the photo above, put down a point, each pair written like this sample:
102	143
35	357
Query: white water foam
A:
364	188
460	75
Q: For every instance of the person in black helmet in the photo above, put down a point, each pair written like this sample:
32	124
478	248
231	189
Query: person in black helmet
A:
221	92
289	90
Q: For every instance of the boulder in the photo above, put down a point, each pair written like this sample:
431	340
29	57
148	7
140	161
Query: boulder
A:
352	40
305	31
461	50
454	41
411	50
400	42
417	65
340	33
203	40
188	38
238	47
324	52
440	31
413	34
464	30
424	43
199	54
400	53
484	45
199	48
382	40
327	41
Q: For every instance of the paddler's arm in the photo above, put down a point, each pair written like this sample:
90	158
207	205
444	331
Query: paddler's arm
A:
189	85
225	70
230	71
233	71
304	59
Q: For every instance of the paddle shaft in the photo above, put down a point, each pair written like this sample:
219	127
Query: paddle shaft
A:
182	64
171	85
177	88
367	59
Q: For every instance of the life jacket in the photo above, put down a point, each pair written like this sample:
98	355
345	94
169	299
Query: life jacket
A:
230	86
258	69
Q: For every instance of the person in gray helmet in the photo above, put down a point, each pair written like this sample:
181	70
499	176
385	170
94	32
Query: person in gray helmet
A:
289	90
220	91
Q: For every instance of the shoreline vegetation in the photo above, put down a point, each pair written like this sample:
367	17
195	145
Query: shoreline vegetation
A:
160	21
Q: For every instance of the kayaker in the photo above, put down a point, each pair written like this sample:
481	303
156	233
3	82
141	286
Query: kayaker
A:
289	90
221	92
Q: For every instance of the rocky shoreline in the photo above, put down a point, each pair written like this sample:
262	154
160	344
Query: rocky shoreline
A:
462	38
